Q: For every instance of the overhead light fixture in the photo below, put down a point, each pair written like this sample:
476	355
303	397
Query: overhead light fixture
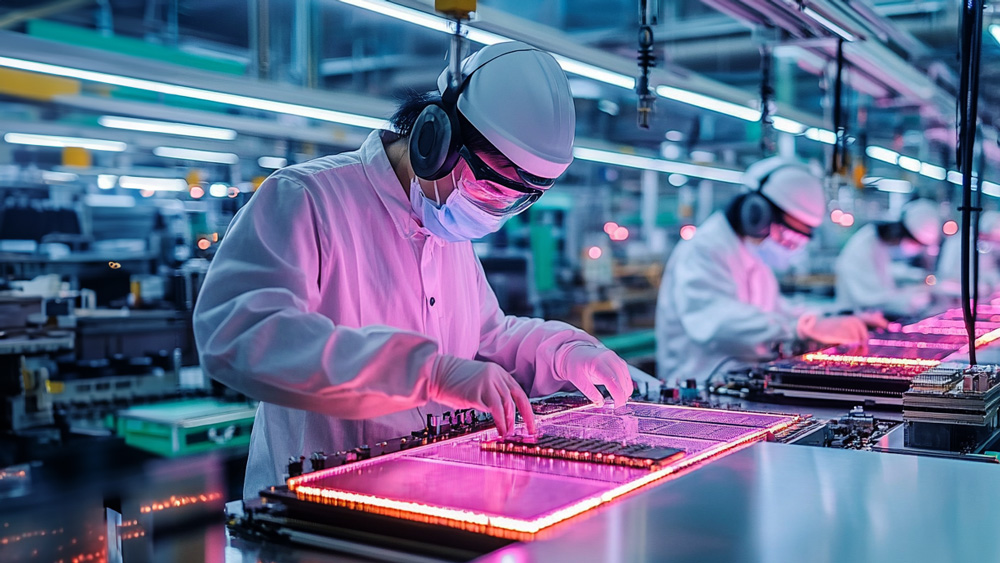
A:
891	185
909	163
709	103
154	184
991	189
249	102
586	70
786	125
218	189
883	154
933	171
658	165
821	135
995	32
51	176
64	142
409	15
167	127
829	25
274	162
201	156
955	177
106	181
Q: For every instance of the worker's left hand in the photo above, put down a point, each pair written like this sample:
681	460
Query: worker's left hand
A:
587	366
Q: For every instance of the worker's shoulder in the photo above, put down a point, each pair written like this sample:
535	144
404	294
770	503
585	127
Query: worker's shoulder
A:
325	170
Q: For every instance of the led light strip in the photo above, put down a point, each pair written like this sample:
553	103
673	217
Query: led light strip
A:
870	360
64	142
658	165
167	127
197	93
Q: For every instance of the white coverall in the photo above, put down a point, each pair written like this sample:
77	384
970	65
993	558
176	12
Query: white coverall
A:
327	302
865	281
949	269
718	301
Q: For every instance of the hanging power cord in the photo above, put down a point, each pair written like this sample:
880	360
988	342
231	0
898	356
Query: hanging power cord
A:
766	96
837	165
971	48
647	60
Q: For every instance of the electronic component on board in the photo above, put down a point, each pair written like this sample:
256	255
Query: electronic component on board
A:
590	450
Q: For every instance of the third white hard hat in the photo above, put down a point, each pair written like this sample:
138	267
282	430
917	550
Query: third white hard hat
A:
923	221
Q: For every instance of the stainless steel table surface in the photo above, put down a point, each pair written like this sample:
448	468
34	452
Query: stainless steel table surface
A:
776	503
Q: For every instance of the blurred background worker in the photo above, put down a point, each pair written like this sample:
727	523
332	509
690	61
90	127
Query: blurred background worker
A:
347	298
719	301
949	265
864	270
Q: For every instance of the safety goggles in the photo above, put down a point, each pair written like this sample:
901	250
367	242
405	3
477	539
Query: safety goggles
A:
788	236
497	194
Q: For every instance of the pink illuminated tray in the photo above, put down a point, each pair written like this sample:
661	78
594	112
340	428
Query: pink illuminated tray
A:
458	483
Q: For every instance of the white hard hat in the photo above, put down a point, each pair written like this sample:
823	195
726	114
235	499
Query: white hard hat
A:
519	99
922	220
790	186
989	225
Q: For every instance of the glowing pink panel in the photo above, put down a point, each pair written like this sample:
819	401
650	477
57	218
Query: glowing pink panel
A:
456	483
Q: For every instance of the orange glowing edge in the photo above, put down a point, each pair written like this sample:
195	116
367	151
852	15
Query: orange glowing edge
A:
503	526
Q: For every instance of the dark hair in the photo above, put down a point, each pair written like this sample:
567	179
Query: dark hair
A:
413	102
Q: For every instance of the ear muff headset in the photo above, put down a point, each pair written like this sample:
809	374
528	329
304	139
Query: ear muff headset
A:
436	136
753	213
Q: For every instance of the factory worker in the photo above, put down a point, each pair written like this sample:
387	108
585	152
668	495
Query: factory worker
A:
949	265
719	303
346	296
864	276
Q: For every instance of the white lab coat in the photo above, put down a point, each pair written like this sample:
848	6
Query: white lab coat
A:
718	302
949	270
865	280
328	303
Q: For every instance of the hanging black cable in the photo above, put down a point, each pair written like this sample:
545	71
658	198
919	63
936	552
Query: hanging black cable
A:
766	95
839	148
977	197
647	59
971	46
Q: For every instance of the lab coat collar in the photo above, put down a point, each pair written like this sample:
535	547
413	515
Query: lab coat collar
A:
386	185
732	243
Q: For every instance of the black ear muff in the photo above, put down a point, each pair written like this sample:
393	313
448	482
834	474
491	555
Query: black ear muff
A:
756	215
434	143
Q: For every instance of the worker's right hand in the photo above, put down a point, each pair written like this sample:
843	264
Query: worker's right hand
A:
484	386
843	329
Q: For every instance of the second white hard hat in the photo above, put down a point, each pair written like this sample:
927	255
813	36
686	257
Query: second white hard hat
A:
519	99
790	186
923	221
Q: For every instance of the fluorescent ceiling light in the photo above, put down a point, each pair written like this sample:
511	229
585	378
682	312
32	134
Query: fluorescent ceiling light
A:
821	135
201	156
709	103
153	184
320	114
659	165
932	171
50	176
990	188
955	177
891	185
272	162
106	181
909	163
63	142
822	20
167	127
595	73
218	190
786	125
484	37
995	32
883	154
423	19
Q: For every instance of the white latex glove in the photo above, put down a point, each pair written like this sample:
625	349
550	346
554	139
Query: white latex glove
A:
484	386
587	366
844	329
873	319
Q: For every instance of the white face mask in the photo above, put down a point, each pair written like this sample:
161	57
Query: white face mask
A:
776	255
457	219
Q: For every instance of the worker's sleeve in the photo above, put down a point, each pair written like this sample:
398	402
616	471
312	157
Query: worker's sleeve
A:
257	330
707	301
528	348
